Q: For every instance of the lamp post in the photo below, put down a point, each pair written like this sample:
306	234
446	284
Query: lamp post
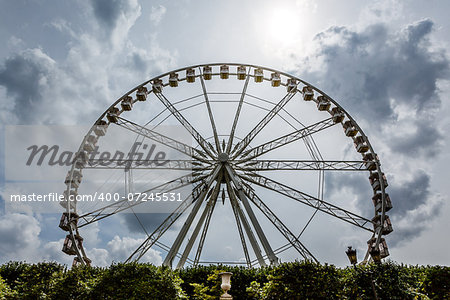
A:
226	285
375	254
351	253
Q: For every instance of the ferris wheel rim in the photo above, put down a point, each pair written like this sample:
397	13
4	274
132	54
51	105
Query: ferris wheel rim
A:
378	234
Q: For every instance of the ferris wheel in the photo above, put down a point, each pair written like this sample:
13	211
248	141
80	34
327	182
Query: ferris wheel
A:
253	171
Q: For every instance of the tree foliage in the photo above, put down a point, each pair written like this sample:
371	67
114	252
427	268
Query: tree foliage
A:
295	280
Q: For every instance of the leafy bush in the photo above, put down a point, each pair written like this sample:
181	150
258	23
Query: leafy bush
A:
295	280
137	281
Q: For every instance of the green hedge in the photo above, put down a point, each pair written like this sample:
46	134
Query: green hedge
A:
295	280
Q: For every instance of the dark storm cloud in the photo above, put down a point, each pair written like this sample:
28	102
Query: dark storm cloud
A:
149	221
107	11
366	69
371	72
424	141
411	194
408	215
24	76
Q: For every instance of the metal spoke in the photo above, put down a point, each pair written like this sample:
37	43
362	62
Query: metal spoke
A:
211	117
262	237
234	206
207	147
247	228
162	139
311	201
238	112
303	165
286	139
125	204
182	234
139	164
163	227
283	229
196	194
251	135
206	217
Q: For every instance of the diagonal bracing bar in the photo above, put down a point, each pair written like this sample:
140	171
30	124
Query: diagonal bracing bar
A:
182	234
286	139
262	237
236	116
162	139
207	147
237	212
172	164
252	134
124	204
250	193
211	117
311	201
162	228
206	216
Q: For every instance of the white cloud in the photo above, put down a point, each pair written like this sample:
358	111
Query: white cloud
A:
19	237
157	14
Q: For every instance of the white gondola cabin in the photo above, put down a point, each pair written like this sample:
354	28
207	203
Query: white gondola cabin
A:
81	159
377	202
77	262
127	103
71	244
173	79
337	115
90	143
323	103
308	93
157	86
141	93
382	247
275	79
113	114
374	179
190	75
75	180
100	127
349	128
207	73
387	225
360	144
68	201
241	73
291	85
259	75
64	222
369	161
224	72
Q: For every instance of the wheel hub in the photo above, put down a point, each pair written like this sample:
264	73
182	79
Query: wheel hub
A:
223	157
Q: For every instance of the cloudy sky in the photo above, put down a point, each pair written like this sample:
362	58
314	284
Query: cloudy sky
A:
386	62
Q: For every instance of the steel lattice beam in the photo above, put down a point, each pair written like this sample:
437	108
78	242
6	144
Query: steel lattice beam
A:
236	116
173	164
311	201
250	193
252	134
162	139
125	204
182	234
207	147
262	237
303	165
286	139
